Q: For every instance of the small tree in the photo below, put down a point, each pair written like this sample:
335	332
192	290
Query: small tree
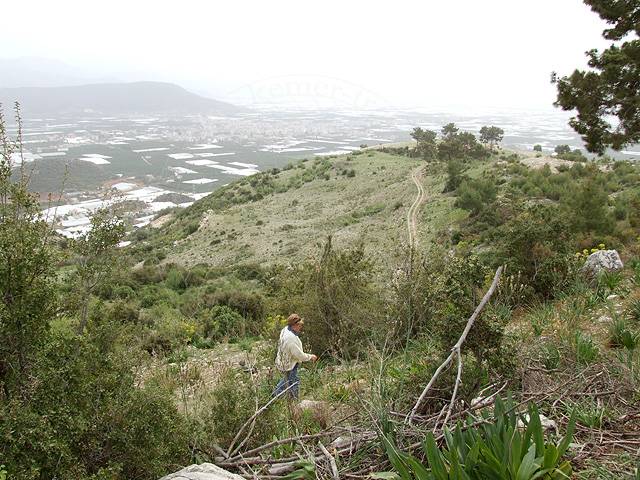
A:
462	146
562	149
610	86
454	175
425	143
590	207
449	130
491	135
537	148
27	296
96	256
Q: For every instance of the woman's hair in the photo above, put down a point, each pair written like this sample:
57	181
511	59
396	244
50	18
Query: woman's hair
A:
293	319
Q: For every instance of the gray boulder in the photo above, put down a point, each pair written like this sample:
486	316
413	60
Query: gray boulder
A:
204	471
607	260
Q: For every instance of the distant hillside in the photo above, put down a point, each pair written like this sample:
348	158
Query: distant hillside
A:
280	218
112	99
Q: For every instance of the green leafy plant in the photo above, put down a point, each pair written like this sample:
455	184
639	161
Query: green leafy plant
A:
620	335
551	357
608	282
633	311
590	414
306	471
586	350
541	317
507	446
635	265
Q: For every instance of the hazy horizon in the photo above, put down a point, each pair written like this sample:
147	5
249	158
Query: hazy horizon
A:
464	54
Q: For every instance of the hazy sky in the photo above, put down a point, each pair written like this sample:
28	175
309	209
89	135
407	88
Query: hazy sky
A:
348	53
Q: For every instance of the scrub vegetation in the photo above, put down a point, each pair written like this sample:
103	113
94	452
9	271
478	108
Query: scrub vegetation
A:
481	349
128	363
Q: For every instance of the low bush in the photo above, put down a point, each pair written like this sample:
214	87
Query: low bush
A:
223	322
475	195
250	305
538	243
86	418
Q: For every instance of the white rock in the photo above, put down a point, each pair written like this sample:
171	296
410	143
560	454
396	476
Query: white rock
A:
547	423
341	442
603	260
320	411
312	405
480	402
204	471
612	297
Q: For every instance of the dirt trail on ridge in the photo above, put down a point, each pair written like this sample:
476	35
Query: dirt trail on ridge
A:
412	213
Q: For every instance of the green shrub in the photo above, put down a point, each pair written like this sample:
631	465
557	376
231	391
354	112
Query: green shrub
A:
633	310
191	228
85	416
551	357
635	265
124	292
250	305
223	322
538	243
119	312
337	295
175	279
475	195
148	274
169	329
151	295
608	282
540	317
455	168
589	204
589	414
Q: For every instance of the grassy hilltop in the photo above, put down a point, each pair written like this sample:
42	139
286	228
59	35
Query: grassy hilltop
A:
282	216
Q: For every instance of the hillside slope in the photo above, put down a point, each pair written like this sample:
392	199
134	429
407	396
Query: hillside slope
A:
282	217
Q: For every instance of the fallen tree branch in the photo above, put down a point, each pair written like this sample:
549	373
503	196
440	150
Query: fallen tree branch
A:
455	350
275	443
331	460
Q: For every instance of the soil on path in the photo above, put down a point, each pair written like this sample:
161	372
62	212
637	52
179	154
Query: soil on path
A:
412	213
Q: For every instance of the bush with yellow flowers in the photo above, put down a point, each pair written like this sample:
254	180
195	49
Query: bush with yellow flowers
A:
584	254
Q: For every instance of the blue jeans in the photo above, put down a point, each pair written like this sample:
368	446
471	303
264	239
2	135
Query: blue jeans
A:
290	378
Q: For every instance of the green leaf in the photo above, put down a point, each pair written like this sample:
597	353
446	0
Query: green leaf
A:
395	458
385	476
419	470
528	465
566	440
434	457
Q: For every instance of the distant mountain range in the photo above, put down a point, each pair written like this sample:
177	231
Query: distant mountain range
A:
112	99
